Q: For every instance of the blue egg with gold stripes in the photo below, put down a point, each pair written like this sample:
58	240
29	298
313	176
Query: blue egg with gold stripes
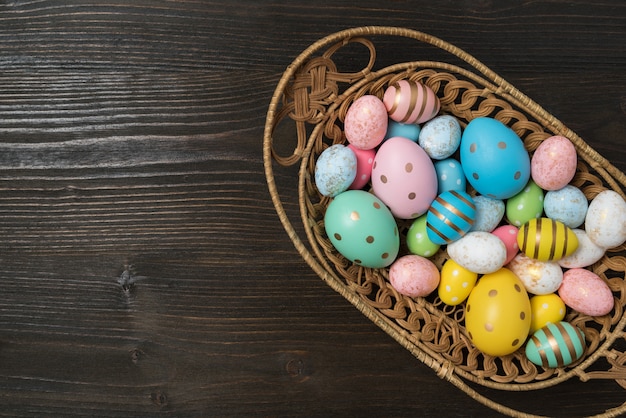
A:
450	216
556	345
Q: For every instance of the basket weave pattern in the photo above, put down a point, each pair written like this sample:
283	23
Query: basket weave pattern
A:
315	96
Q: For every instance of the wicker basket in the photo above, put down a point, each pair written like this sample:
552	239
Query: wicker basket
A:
306	115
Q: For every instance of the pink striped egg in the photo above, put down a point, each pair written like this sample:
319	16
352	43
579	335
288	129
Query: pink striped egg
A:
409	101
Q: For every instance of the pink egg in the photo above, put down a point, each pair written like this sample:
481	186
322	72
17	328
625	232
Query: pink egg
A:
508	235
366	122
409	101
585	292
404	177
413	275
364	163
553	164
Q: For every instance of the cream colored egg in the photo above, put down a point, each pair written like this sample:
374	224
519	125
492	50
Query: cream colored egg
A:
605	222
585	255
478	251
539	277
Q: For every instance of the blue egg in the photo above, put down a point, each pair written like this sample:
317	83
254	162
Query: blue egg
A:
450	216
568	205
406	130
450	175
494	159
489	213
335	170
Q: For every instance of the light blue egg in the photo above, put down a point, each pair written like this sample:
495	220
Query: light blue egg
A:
440	137
489	213
450	175
335	170
568	205
406	130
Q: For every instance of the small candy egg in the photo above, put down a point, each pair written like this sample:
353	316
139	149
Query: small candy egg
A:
489	213
417	239
414	276
525	205
478	251
362	229
585	255
335	170
450	175
545	309
556	345
365	124
493	158
546	239
403	176
440	137
568	205
539	277
508	235
450	216
409	101
553	164
406	130
605	222
497	313
585	292
456	283
364	163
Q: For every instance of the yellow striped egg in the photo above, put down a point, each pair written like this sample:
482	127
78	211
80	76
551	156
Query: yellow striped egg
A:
545	239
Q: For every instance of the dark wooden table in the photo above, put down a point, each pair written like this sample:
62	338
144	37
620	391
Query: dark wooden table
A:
143	269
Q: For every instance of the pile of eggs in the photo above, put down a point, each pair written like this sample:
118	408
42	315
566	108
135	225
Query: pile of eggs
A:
518	246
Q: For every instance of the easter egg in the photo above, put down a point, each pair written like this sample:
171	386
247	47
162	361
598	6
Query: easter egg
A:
414	276
585	292
489	213
335	170
362	229
546	239
556	345
605	222
525	205
409	101
585	255
539	277
407	130
366	121
456	283
440	137
497	313
494	159
567	205
449	175
553	164
450	216
478	251
364	162
404	178
508	235
417	239
545	309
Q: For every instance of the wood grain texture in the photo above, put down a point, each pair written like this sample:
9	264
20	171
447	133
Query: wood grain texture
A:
143	269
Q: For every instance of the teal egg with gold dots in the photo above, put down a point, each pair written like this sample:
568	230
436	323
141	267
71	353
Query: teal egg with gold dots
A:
362	229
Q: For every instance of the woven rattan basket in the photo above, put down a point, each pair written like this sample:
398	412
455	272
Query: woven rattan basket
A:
306	115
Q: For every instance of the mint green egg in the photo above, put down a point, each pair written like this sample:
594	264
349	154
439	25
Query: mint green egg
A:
417	239
526	205
362	229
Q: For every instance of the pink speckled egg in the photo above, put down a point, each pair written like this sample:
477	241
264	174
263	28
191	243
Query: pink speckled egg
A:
413	275
553	164
364	163
508	235
409	101
404	177
585	292
366	122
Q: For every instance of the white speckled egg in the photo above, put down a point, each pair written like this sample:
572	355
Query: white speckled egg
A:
335	170
585	255
440	137
605	222
568	205
478	251
489	213
539	277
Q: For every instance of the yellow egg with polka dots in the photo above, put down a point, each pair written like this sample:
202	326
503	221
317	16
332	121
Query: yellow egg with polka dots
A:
497	313
545	309
456	283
